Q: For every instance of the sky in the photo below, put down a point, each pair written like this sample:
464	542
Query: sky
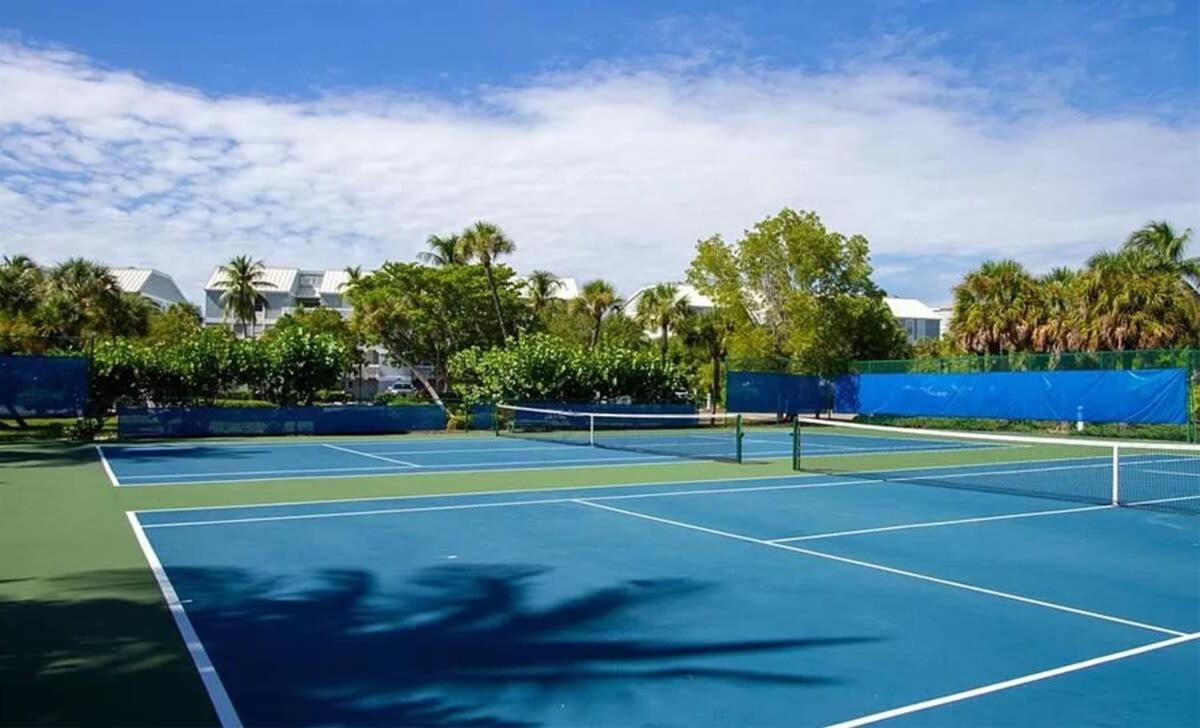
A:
605	138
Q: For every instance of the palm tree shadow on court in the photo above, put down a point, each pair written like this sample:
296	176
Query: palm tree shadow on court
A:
454	645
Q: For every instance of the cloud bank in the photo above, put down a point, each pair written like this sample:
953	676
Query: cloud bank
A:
611	171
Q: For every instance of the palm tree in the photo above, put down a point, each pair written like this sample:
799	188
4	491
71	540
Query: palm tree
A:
444	250
81	295
663	308
486	242
710	331
540	288
596	299
1058	322
1165	249
20	285
1133	305
243	278
354	275
994	308
128	316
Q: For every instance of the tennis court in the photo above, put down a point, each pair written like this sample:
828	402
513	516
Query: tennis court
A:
802	600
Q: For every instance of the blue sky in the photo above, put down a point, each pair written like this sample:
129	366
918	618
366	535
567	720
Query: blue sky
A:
605	137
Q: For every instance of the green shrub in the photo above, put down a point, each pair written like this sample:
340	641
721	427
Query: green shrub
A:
541	367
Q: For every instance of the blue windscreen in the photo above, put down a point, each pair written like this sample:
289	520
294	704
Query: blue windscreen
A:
1139	396
43	386
332	420
774	392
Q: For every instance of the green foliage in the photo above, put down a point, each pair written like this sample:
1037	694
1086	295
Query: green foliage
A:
792	289
290	368
298	365
321	321
541	367
424	314
177	322
573	324
1139	297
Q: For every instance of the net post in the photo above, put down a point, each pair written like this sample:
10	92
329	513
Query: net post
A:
1116	475
737	424
495	419
592	430
796	444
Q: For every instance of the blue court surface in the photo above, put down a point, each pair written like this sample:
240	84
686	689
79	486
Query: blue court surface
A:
200	463
796	600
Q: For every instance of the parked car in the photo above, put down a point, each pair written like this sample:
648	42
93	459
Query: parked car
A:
400	387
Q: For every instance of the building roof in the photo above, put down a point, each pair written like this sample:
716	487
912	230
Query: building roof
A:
136	280
687	292
277	279
910	308
334	281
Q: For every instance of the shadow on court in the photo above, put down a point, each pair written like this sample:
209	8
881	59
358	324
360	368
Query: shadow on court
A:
456	645
103	651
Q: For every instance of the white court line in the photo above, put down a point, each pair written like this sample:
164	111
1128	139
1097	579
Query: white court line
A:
886	569
208	673
1015	682
504	491
1168	472
339	448
426	470
494	504
112	477
1175	499
931	524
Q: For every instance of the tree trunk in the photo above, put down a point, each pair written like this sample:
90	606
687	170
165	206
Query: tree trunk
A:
664	344
487	269
596	331
420	378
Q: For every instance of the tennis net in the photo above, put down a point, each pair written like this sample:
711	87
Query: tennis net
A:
1164	476
705	436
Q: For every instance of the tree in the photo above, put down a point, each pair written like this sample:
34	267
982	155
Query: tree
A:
444	250
82	301
423	314
995	307
796	290
321	321
1057	315
485	243
177	322
663	308
1133	304
21	283
597	299
243	279
540	287
1165	249
709	332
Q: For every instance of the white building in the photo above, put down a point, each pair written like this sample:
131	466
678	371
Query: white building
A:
696	300
945	313
284	290
918	320
153	285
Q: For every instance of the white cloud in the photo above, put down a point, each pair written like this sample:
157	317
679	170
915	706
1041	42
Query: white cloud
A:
612	172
